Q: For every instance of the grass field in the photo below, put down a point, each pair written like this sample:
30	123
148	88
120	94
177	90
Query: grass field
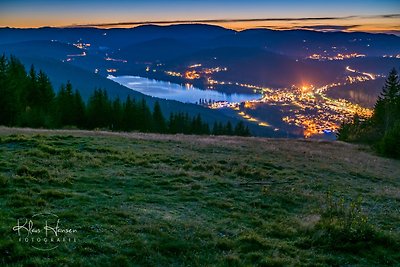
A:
162	200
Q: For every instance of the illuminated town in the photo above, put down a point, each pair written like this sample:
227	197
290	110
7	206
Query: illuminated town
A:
304	106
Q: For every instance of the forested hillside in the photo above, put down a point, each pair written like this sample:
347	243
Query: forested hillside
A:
28	100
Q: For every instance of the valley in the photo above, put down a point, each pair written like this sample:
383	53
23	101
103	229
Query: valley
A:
304	88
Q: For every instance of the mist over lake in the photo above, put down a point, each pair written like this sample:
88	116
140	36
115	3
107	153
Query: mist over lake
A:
171	91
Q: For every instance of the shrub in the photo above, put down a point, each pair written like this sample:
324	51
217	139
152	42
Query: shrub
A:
343	225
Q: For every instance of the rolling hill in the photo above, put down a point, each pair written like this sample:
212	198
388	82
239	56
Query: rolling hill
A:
147	199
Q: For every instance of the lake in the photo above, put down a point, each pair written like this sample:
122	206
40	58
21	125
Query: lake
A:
172	91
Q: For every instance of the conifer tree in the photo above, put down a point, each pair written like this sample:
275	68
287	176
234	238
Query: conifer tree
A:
31	95
144	117
218	128
129	115
99	110
159	125
45	92
34	114
79	110
116	115
385	110
65	106
8	97
228	129
16	90
241	130
196	127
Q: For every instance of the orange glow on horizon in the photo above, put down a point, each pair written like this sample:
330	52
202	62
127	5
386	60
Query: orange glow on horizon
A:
365	24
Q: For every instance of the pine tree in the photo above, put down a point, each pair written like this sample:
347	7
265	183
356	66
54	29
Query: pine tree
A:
129	115
385	110
65	106
33	114
206	129
79	110
145	119
159	125
45	92
228	129
8	97
99	110
116	115
214	128
32	94
17	83
171	124
218	128
241	130
196	125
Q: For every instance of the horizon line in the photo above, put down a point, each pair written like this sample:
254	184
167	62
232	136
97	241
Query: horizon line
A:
202	21
126	23
326	28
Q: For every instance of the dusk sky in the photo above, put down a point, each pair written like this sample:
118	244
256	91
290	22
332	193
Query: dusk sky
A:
355	15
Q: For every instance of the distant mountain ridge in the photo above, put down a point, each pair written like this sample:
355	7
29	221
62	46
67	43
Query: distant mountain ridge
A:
288	41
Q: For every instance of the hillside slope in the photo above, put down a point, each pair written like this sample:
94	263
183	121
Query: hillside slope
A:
173	200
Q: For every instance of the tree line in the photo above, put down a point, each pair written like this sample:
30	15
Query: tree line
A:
28	100
382	130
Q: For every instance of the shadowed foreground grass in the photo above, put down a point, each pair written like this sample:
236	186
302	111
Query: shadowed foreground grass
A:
159	200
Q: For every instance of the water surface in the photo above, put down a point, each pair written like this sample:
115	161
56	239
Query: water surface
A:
172	91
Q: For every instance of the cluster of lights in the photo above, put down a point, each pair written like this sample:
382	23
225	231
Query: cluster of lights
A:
312	110
254	120
214	70
196	74
355	79
81	45
336	57
247	117
370	75
193	72
192	75
306	106
223	104
173	73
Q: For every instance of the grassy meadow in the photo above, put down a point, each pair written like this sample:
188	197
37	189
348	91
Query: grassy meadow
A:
174	200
